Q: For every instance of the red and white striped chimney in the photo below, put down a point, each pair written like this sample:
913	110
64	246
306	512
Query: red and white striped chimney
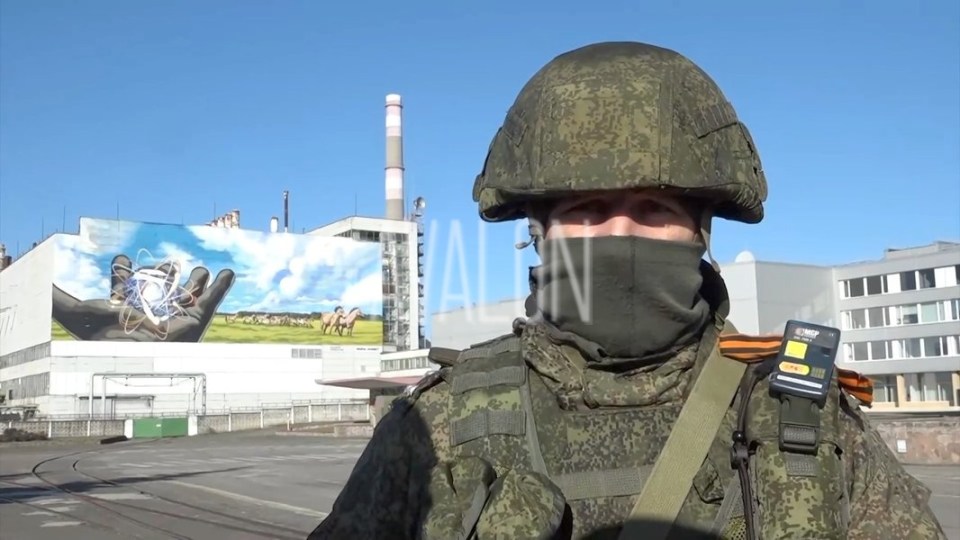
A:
394	169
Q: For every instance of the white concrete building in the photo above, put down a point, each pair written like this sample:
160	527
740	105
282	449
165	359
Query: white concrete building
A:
57	377
108	373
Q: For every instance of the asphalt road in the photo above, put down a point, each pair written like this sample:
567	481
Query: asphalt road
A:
249	485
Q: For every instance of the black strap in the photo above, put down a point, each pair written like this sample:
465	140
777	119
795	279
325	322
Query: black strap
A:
742	448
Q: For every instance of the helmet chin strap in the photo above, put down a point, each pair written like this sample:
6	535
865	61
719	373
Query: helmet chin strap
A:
534	228
706	220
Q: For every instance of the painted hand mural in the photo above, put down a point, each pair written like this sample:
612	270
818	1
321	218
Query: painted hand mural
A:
149	282
146	304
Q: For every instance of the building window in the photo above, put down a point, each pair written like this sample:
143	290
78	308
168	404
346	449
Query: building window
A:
878	350
876	318
855	319
932	387
912	348
945	390
930	312
908	281
855	288
885	389
927	347
927	278
876	285
932	346
909	314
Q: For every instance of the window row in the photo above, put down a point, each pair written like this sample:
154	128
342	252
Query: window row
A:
918	387
400	364
898	349
911	280
901	315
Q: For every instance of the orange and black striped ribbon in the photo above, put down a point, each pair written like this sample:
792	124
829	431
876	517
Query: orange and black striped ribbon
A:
752	349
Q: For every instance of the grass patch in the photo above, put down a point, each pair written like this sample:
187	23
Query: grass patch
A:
364	333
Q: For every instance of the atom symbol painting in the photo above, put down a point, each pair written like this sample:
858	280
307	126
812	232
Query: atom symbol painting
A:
152	292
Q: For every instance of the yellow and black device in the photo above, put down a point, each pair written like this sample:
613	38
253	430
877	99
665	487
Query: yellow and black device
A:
801	377
805	363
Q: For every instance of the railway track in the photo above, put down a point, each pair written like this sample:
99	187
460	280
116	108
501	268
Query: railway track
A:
108	506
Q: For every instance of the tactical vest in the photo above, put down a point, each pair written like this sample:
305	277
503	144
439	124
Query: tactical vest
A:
501	411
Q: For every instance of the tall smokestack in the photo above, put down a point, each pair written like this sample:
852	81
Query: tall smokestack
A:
286	211
394	170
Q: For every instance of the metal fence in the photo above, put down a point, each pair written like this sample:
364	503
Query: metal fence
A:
234	419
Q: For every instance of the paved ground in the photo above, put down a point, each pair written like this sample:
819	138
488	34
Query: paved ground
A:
238	485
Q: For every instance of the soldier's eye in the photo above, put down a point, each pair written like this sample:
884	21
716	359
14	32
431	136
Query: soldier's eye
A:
650	206
592	207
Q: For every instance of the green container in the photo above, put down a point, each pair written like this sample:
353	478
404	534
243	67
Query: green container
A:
155	428
147	428
174	427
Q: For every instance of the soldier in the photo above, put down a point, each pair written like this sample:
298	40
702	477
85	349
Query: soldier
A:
633	410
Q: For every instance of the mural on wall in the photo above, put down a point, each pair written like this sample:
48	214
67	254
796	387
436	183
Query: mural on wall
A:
128	281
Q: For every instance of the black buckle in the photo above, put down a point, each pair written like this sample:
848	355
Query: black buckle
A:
739	451
799	424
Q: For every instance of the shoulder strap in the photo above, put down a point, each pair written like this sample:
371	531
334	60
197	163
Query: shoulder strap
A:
686	448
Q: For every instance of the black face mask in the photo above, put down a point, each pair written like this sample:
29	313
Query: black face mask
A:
633	297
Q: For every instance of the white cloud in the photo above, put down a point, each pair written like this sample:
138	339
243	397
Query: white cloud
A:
168	251
77	273
364	293
101	235
307	264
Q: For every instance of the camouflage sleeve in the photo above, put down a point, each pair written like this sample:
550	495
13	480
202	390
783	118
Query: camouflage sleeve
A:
388	487
886	502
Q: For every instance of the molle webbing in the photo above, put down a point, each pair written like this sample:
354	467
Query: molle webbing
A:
603	483
485	423
485	392
443	356
508	375
801	465
493	349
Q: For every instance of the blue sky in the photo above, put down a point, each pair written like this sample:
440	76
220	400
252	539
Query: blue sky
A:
274	272
172	111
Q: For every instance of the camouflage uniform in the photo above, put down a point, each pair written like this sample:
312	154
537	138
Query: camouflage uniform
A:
542	433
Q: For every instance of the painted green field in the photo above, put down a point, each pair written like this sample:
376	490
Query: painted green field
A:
220	331
57	333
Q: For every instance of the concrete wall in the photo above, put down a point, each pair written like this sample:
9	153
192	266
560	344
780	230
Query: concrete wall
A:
26	300
218	423
923	441
460	328
741	280
237	375
792	291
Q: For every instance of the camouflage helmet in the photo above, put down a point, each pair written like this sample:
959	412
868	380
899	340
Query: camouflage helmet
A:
621	115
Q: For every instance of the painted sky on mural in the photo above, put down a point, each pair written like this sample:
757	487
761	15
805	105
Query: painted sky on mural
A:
275	272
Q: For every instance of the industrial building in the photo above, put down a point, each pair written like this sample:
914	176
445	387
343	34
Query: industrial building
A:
135	319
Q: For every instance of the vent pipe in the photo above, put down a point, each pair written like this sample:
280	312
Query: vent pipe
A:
394	169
